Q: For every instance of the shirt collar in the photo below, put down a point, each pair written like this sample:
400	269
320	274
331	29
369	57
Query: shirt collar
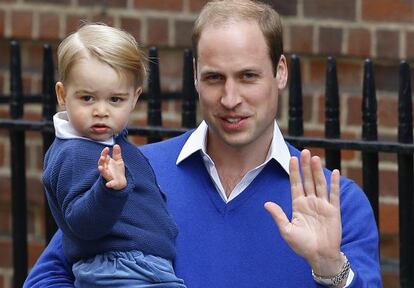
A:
198	141
65	130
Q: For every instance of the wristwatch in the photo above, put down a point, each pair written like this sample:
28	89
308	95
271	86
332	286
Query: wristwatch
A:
335	280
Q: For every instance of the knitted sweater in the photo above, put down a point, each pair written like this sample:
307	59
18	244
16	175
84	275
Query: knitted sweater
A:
96	219
236	244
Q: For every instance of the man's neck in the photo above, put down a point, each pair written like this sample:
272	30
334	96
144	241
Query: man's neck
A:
233	162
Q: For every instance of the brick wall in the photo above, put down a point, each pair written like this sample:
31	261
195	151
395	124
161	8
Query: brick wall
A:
350	31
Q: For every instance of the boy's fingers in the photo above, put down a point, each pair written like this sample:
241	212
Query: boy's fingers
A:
116	153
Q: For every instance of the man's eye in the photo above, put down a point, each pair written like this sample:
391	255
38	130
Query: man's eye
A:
249	76
213	78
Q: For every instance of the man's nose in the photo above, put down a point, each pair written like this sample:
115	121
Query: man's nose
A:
231	94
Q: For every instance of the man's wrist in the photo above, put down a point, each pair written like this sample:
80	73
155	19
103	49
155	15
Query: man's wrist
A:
334	280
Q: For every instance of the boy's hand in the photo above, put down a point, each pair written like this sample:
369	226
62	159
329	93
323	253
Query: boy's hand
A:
112	169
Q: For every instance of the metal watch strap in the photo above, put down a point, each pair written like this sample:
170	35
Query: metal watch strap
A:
334	280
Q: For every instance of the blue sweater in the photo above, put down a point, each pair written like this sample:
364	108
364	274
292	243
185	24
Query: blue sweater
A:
96	219
238	244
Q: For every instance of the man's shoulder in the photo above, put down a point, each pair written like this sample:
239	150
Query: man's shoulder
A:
169	146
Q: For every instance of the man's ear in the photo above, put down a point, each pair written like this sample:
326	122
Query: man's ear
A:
137	93
195	74
60	94
282	73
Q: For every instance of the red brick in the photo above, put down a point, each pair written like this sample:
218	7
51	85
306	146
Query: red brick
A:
21	24
107	19
73	22
34	191
386	77
104	4
387	44
355	174
5	191
388	10
6	253
389	220
317	71
388	183
183	31
330	41
349	74
34	251
48	26
5	219
409	48
32	56
5	52
301	39
171	67
62	2
335	9
157	34
133	26
173	5
307	105
284	8
387	112
2	23
390	279
354	104
359	42
2	155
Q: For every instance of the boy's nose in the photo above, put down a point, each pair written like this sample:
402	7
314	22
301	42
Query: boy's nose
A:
100	110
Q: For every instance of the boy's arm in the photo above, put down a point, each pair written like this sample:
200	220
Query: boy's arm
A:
52	268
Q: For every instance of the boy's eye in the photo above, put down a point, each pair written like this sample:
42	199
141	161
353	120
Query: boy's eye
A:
115	99
87	98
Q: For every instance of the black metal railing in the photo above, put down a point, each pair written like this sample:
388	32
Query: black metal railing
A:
368	145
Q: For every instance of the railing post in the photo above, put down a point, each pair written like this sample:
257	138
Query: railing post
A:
188	116
154	93
295	127
369	133
405	179
49	109
332	130
18	171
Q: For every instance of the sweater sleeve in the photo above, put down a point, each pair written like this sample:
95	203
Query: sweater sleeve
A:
51	269
360	237
88	207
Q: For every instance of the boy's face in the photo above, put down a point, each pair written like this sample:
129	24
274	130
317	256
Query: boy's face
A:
97	99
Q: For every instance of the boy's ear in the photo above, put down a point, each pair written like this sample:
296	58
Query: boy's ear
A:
137	93
60	94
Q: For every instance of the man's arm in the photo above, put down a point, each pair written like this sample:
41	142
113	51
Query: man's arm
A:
52	268
316	232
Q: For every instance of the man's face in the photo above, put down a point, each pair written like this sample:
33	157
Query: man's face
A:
236	84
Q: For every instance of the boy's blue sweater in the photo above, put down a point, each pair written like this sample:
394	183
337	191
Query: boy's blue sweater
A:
237	244
96	219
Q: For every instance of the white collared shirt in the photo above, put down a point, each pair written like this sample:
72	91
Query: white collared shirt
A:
198	142
65	130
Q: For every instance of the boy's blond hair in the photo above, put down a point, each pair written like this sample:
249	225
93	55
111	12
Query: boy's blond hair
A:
112	46
222	12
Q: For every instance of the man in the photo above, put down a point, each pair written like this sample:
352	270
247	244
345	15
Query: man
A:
218	177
